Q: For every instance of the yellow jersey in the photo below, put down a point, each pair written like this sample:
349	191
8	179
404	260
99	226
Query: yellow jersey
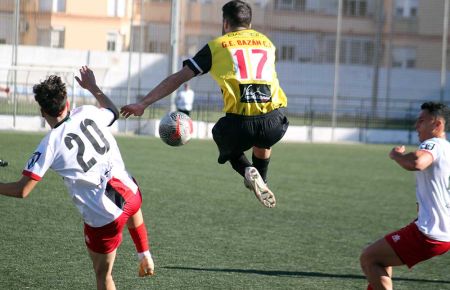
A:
243	65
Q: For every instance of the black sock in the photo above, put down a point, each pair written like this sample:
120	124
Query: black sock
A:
262	165
239	163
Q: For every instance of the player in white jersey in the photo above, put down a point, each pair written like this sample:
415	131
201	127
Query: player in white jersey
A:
81	148
429	234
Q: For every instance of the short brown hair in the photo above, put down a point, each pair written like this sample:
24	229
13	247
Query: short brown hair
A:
51	95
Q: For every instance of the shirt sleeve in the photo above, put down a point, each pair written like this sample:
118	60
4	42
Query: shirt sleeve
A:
40	161
104	117
430	146
201	62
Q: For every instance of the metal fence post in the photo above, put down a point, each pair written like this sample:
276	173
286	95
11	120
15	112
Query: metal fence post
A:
444	52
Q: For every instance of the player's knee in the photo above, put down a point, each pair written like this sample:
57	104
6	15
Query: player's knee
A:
102	272
103	277
365	259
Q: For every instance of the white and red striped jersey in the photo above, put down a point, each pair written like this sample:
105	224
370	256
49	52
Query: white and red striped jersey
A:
83	151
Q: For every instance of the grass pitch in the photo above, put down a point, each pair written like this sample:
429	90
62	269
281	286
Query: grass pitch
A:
208	231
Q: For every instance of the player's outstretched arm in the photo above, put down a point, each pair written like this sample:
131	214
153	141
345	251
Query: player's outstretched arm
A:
412	161
89	83
165	88
19	189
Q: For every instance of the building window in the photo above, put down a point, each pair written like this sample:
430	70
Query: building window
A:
52	5
286	52
157	38
43	37
261	3
297	5
331	51
51	37
406	8
59	6
116	8
111	41
45	5
355	7
404	57
353	51
158	47
57	38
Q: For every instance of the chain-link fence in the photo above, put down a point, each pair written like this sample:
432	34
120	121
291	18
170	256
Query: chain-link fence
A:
392	53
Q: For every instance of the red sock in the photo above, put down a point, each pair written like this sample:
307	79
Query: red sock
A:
139	236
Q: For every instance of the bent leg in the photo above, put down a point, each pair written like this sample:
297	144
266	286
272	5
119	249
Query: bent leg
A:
261	159
376	262
262	153
103	265
239	163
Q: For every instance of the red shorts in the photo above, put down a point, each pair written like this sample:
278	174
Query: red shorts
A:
412	246
105	239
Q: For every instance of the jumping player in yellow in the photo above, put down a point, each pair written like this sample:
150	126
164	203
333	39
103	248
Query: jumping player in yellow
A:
242	61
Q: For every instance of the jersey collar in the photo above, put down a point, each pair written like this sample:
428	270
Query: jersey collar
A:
67	117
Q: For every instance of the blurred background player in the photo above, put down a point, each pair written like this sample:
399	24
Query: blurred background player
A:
4	89
185	100
429	234
81	148
242	61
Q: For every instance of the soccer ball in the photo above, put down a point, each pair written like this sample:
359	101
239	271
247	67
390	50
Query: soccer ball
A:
175	128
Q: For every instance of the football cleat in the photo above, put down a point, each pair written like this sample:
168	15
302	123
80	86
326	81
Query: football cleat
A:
254	182
146	267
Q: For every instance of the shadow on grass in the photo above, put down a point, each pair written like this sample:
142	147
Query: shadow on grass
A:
298	273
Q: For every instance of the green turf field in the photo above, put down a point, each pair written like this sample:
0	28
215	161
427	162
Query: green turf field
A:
209	232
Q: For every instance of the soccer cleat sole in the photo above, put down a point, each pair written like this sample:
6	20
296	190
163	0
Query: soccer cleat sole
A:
254	182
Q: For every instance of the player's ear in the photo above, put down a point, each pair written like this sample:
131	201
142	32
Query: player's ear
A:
439	125
66	108
225	26
440	122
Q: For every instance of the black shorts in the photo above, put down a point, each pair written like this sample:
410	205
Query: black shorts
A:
235	134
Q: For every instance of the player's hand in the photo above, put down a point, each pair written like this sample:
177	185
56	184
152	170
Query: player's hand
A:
136	109
87	80
396	151
146	267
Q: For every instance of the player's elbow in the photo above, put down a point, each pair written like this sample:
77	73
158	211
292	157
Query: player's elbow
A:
415	165
419	166
24	193
23	188
21	193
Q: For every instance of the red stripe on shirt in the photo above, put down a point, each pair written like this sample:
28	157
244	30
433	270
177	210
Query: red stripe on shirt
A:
121	188
31	175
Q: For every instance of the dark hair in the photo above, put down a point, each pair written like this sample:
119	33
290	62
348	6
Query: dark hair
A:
237	13
437	110
51	95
